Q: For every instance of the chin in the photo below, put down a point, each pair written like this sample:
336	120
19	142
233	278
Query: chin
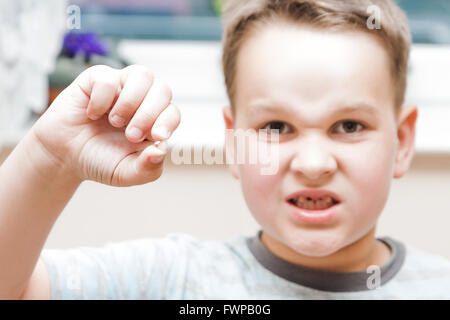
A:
318	246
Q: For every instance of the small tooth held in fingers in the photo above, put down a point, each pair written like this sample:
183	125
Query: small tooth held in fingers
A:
163	146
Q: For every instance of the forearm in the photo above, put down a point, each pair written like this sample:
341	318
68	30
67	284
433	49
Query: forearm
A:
33	192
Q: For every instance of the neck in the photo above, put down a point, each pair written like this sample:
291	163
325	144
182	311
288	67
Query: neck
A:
357	256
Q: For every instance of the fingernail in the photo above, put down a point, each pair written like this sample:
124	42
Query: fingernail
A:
161	132
135	133
118	121
157	159
156	155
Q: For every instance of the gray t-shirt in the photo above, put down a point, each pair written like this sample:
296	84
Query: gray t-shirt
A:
179	266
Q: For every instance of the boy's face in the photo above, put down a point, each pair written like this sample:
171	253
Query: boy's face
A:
303	79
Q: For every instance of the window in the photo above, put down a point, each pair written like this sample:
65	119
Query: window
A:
200	20
429	20
152	19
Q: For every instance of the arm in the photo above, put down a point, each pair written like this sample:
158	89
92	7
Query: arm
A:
64	148
34	190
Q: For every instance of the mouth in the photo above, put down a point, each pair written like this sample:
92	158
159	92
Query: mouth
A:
310	204
314	200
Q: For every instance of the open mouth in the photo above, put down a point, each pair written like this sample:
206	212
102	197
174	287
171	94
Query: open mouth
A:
309	203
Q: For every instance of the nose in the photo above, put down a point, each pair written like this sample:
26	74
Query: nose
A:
313	159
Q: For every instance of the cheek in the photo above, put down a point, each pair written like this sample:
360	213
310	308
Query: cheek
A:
262	192
261	176
257	188
369	171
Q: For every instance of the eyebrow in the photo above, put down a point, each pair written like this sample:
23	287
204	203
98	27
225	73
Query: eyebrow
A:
357	107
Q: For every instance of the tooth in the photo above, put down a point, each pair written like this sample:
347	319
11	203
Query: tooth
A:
321	204
310	205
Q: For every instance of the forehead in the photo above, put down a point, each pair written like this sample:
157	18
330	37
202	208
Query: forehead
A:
287	65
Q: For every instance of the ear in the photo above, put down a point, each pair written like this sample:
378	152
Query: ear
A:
229	141
406	126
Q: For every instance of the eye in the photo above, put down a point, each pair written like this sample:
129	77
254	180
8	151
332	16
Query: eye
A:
350	126
275	125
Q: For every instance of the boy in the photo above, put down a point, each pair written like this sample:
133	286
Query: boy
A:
308	69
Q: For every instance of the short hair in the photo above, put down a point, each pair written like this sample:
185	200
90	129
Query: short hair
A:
239	17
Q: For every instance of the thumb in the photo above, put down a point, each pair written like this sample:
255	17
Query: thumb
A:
151	156
143	167
149	163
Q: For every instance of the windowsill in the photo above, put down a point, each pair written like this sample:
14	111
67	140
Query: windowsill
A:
193	70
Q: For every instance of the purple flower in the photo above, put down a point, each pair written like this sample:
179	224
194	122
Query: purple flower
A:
86	44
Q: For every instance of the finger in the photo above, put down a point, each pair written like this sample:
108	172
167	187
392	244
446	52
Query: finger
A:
156	100
166	123
100	83
136	81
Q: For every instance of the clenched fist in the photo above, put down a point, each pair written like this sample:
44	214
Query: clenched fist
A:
106	126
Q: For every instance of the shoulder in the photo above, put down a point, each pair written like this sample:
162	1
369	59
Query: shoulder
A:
186	241
178	245
421	260
231	249
224	258
418	274
426	272
175	243
173	265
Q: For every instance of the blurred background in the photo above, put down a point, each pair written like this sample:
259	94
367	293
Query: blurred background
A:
45	44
